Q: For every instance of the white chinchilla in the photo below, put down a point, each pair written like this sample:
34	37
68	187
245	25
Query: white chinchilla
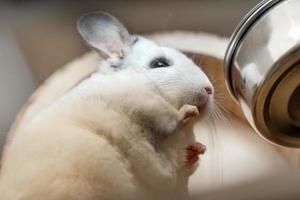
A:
123	133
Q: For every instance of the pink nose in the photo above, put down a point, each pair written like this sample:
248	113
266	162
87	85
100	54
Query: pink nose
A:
203	96
208	90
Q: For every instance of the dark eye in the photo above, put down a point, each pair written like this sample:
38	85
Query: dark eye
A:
160	62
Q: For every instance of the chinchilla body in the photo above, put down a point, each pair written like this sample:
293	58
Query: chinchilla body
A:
122	133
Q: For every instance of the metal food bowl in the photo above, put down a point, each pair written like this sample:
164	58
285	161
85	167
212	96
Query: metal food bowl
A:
262	66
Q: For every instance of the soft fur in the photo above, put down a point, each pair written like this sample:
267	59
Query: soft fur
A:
117	135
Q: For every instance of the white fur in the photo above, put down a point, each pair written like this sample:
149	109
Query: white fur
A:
114	136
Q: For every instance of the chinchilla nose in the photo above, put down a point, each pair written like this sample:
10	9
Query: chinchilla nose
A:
203	95
208	90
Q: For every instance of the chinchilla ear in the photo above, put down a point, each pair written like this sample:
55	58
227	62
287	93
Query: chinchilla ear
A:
106	35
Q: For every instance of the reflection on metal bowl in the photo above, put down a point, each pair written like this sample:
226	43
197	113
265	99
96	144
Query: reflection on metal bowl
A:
262	65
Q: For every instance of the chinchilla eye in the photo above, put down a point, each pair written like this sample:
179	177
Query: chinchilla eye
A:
160	62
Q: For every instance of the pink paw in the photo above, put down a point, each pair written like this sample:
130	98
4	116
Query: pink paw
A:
187	112
193	152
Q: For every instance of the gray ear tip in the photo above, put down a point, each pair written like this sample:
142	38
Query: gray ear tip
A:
88	21
96	15
86	18
103	32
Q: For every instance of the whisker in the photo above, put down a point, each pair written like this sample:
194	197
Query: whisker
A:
218	114
165	22
216	148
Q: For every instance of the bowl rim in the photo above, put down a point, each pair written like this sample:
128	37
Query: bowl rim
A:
240	31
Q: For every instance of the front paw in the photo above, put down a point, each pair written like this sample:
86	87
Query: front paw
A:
193	152
186	114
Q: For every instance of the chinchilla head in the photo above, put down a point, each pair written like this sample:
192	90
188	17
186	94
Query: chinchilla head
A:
177	78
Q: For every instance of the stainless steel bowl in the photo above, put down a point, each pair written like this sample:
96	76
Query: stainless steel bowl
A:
262	65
